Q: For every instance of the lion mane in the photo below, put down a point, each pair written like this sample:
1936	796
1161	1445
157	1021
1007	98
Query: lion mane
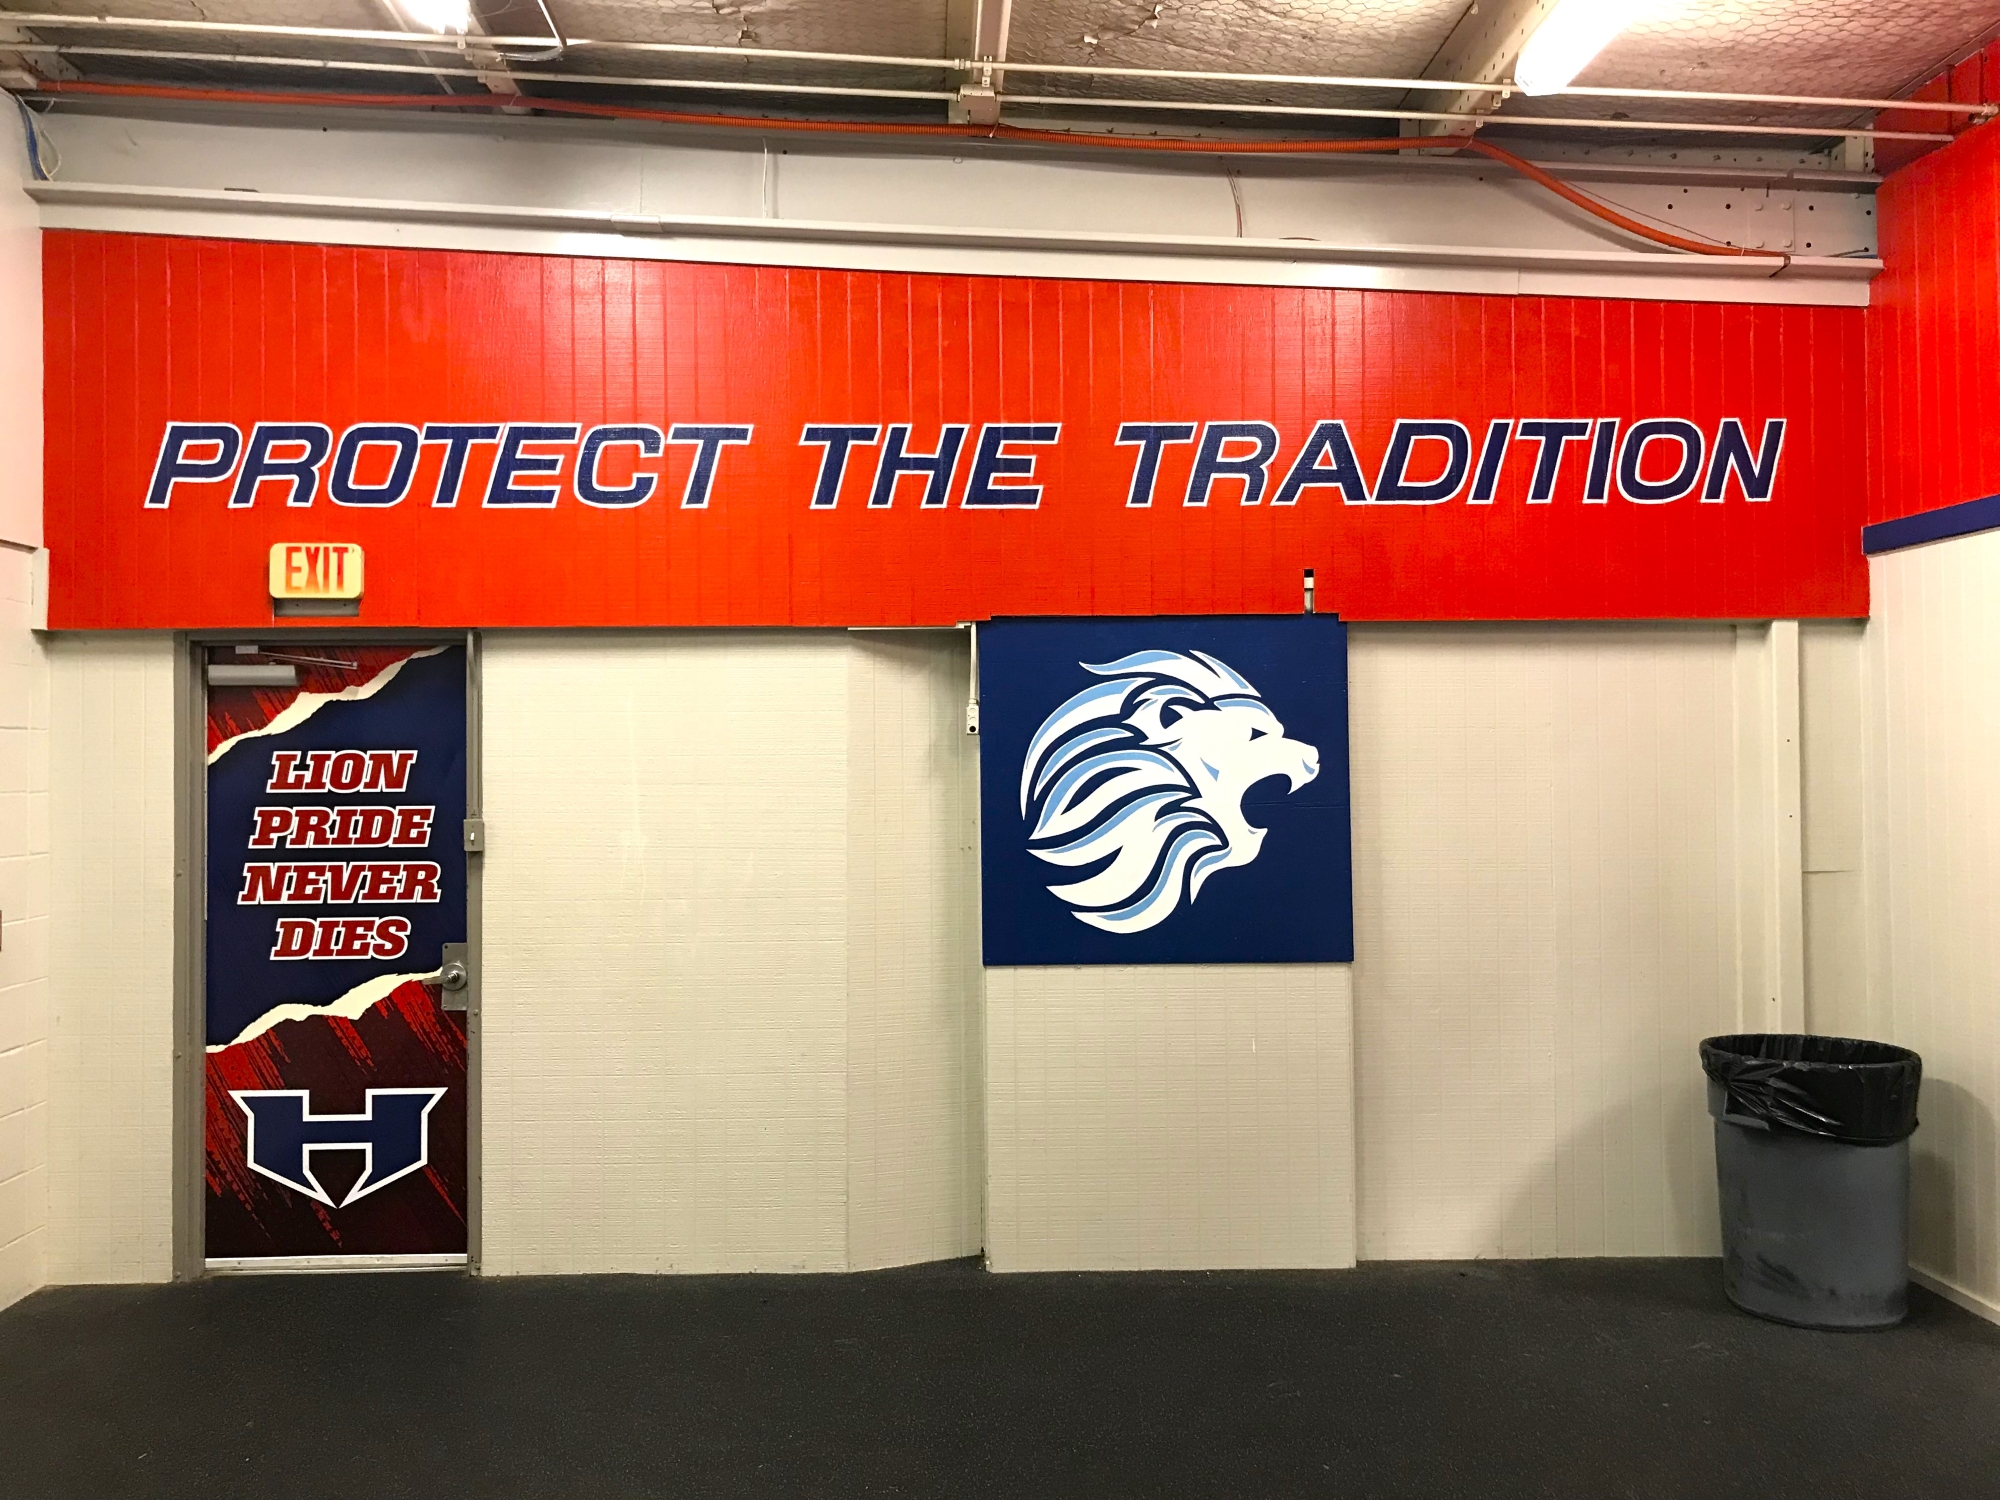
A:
1144	775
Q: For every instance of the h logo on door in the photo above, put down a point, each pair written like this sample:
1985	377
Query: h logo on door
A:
392	1131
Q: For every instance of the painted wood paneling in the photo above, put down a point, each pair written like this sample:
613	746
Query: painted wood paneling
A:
143	331
1934	332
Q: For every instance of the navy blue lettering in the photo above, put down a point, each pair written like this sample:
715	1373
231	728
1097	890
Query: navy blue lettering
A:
1552	438
1394	487
590	491
1492	454
833	462
895	462
1597	485
458	438
1328	440
340	485
710	442
1633	457
1211	463
1732	453
990	462
511	463
300	471
174	465
1151	439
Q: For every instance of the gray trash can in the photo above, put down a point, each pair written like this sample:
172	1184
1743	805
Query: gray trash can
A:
1812	1163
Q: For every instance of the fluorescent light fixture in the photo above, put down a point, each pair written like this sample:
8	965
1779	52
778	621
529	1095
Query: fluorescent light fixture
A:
438	16
1568	38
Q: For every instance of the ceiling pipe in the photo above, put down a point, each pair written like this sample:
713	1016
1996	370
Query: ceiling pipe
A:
1566	122
1597	208
727	85
450	42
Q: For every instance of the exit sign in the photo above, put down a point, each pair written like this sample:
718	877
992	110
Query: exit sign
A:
315	570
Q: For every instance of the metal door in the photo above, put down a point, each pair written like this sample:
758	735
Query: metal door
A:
335	1112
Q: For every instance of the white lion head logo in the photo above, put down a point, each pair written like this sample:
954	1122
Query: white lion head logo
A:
1148	771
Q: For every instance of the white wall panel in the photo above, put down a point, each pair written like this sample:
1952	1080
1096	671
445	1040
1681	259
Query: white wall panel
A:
1933	657
1545	875
728	987
1179	1116
111	947
1839	999
913	1063
665	963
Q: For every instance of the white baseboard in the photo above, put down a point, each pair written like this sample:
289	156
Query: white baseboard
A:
1972	1302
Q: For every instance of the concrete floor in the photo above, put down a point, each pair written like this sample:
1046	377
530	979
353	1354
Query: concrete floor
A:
1580	1378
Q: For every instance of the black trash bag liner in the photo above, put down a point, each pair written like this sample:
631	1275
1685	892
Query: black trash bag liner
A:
1862	1093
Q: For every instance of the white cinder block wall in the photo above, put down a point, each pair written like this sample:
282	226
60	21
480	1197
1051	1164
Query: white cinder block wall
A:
24	754
1933	801
24	935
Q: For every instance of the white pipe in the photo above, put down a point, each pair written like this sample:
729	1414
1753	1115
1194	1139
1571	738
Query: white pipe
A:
815	90
1568	122
1759	265
324	65
451	42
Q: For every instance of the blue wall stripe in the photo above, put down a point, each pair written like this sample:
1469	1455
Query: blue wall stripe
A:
1962	519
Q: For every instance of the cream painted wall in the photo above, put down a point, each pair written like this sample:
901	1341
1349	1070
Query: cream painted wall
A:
1177	1117
1545	914
111	1064
914	1094
1933	805
1840	1001
709	1043
733	1009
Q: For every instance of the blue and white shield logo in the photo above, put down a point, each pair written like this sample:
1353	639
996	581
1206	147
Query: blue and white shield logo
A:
1183	801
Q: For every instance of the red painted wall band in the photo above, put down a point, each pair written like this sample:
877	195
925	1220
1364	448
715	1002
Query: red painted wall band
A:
145	331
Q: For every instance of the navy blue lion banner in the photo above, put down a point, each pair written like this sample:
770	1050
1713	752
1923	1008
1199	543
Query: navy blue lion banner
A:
336	1106
1168	789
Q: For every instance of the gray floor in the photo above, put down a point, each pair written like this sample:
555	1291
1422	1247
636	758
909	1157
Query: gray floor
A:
1579	1378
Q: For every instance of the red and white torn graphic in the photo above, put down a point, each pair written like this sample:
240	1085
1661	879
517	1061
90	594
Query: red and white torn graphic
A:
242	713
404	1037
350	1006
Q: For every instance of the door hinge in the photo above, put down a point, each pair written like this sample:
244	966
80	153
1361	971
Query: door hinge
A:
475	835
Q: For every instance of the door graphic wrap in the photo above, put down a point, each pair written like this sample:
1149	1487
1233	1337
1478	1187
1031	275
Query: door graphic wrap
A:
336	1110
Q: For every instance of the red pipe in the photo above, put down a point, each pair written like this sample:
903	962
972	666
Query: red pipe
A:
1506	158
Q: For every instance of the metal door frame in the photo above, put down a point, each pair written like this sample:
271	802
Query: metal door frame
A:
190	946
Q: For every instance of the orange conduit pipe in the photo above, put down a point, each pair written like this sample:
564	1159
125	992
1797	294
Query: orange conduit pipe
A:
606	111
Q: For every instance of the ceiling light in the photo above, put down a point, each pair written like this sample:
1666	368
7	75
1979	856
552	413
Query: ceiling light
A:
438	16
1569	37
